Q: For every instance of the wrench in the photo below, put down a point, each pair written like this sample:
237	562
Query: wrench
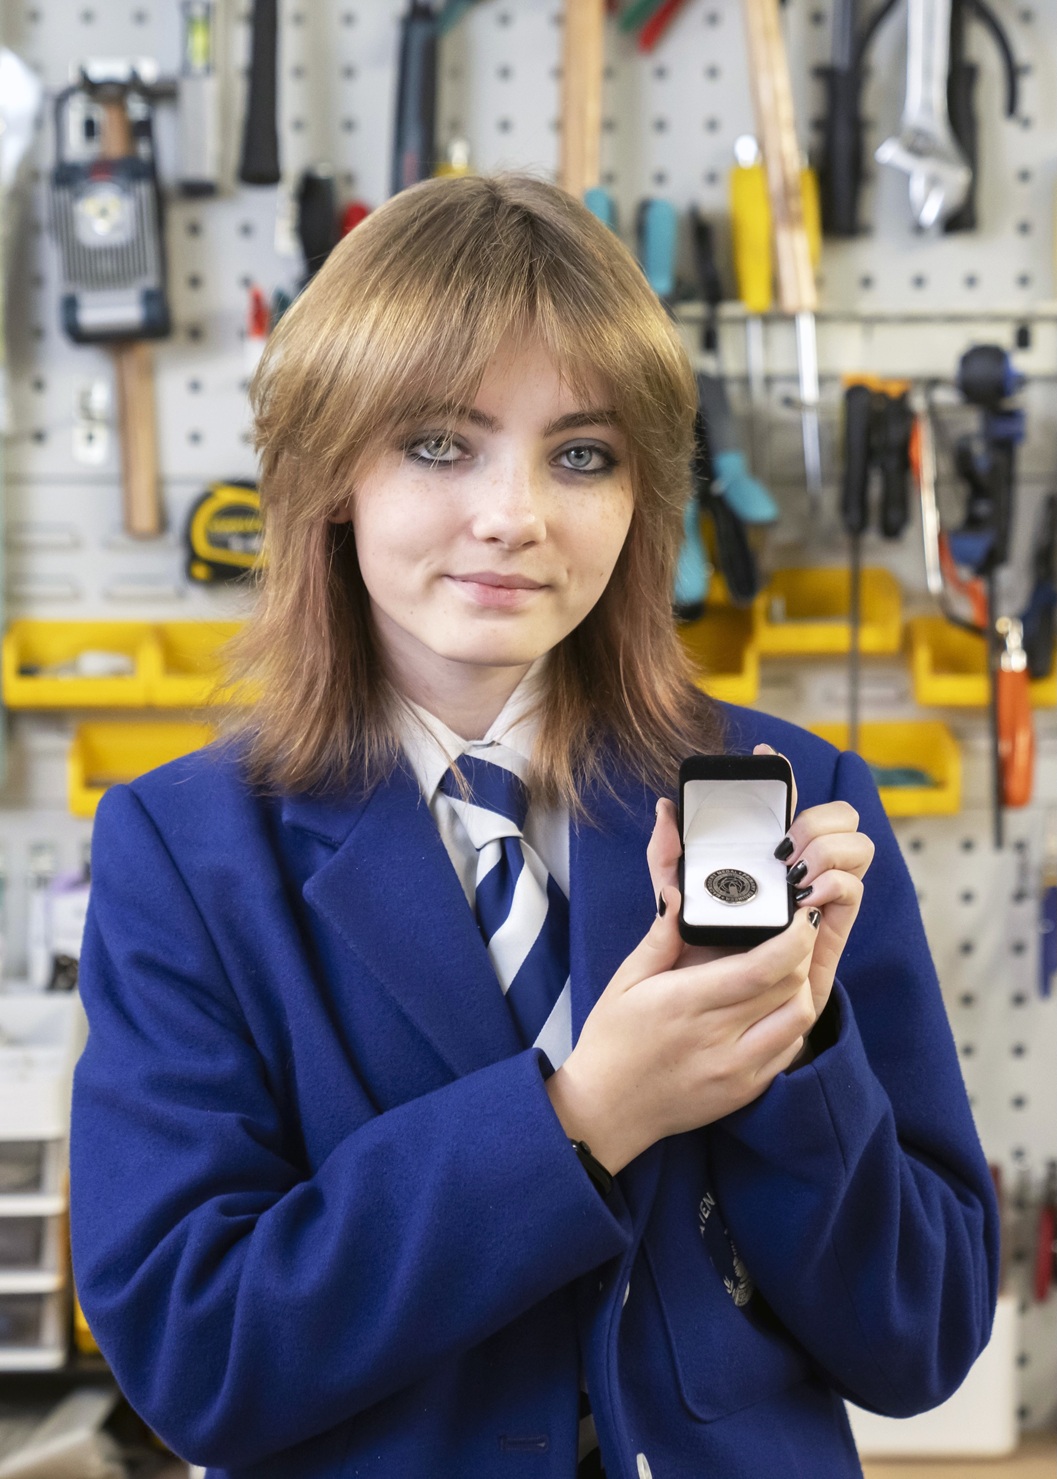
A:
925	146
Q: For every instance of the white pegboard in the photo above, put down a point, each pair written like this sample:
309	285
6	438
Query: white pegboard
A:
892	303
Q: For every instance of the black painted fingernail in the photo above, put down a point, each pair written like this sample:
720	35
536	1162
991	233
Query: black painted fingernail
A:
801	893
814	915
796	874
661	905
784	848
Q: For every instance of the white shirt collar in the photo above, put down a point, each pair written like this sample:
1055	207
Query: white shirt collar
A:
430	745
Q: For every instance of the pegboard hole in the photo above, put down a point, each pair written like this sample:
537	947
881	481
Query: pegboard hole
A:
193	228
1024	176
1018	999
40	435
1019	1101
866	283
194	386
246	228
966	947
1018	1049
967	1050
713	73
194	436
967	999
86	17
660	72
39	383
1024	228
968	843
1019	946
660	177
967	896
970	281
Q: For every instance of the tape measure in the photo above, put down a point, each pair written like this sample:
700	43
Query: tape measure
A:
224	533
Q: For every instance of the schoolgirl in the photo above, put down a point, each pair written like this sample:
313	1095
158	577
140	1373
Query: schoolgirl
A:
410	1139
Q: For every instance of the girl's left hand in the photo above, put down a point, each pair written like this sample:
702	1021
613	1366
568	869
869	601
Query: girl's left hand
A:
835	856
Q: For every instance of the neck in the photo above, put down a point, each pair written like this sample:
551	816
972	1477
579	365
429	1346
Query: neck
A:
467	702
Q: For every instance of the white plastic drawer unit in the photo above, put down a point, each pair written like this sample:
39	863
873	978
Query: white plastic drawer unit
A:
32	1167
41	1037
32	1236
34	1322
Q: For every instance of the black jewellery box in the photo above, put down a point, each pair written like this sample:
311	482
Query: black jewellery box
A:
734	810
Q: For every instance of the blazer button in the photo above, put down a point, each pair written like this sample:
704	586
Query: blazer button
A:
643	1467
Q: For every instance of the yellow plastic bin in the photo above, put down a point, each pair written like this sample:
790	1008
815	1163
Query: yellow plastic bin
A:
105	753
924	744
807	611
184	666
949	666
722	646
33	650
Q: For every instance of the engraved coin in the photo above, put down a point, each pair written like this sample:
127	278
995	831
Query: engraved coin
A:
731	886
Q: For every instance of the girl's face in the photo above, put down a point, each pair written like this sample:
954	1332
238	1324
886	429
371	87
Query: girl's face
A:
484	551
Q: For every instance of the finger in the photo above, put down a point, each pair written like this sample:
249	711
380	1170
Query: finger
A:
657	951
749	974
770	750
664	848
818	821
788	1023
847	852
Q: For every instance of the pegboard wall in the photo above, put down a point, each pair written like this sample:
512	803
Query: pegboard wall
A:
891	302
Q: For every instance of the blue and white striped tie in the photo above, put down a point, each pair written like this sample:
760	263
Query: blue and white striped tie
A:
522	913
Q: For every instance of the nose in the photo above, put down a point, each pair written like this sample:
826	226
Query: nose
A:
511	509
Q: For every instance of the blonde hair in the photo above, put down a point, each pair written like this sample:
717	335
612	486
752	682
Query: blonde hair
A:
400	324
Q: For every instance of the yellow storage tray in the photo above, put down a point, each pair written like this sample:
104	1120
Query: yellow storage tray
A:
817	602
949	666
105	753
184	668
722	646
46	645
925	744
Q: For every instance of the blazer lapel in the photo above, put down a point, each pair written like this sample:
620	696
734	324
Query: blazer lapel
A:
392	895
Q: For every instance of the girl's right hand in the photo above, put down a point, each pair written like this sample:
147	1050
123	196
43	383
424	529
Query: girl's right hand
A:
679	1039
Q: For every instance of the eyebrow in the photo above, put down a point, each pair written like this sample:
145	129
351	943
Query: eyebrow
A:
592	416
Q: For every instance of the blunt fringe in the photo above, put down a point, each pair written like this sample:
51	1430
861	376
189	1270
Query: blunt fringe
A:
400	324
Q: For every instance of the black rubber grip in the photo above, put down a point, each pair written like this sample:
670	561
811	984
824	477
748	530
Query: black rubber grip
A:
840	164
317	218
961	87
858	419
414	150
895	467
260	138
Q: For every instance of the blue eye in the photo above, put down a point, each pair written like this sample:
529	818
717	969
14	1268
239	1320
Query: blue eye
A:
441	441
609	461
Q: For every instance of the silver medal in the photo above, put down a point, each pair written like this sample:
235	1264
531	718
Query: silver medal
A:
731	886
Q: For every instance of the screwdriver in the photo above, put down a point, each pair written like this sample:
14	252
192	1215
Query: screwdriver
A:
773	99
750	213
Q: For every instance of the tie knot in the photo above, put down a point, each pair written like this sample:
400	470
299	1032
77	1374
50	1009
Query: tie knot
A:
493	789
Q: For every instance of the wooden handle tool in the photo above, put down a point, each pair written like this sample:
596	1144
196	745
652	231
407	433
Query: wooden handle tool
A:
134	376
583	61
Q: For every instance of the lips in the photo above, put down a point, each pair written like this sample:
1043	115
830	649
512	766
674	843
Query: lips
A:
503	582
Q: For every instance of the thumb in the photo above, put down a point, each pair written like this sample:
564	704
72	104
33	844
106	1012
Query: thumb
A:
660	947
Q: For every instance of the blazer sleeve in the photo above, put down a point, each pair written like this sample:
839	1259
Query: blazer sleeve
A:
244	1306
855	1188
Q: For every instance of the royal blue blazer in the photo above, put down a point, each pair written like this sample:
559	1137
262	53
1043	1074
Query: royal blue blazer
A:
325	1221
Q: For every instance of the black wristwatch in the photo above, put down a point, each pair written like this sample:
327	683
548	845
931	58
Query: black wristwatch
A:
595	1169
